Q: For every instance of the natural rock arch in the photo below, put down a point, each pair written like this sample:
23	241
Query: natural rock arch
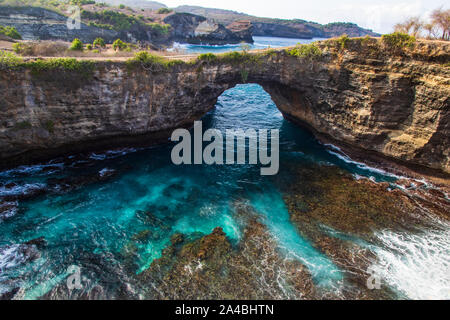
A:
393	106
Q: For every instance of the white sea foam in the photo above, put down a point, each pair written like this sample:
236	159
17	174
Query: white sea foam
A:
10	256
341	155
417	265
32	169
111	154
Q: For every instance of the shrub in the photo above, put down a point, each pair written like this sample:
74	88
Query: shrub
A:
99	43
89	46
119	45
22	48
151	62
10	32
209	57
9	60
398	40
308	51
164	11
343	41
121	6
76	45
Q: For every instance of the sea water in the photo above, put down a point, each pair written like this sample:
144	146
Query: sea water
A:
102	218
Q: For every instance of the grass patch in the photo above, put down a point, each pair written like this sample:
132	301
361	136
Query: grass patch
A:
343	41
41	48
236	57
82	67
305	51
398	40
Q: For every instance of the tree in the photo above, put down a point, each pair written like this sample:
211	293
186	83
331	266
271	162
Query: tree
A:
441	18
411	26
99	43
76	45
430	28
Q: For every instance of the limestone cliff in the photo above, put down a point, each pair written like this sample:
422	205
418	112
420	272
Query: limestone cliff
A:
35	23
367	96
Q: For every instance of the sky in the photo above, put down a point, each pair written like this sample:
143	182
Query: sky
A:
378	15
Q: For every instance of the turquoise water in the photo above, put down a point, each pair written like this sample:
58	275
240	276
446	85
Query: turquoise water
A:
259	43
98	224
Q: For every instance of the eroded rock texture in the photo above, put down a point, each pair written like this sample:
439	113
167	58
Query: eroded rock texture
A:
366	96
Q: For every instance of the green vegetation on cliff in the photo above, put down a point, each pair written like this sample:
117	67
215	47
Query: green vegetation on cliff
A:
110	19
398	40
117	20
164	11
151	62
9	60
307	51
161	29
83	67
10	32
208	57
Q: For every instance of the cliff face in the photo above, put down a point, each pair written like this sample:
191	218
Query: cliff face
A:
38	23
306	30
197	29
35	23
396	105
295	28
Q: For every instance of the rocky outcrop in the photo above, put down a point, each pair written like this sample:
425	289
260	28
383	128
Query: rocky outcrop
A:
304	30
269	27
199	30
388	102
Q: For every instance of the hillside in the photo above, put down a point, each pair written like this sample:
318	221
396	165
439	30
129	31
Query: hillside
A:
295	28
46	20
141	4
